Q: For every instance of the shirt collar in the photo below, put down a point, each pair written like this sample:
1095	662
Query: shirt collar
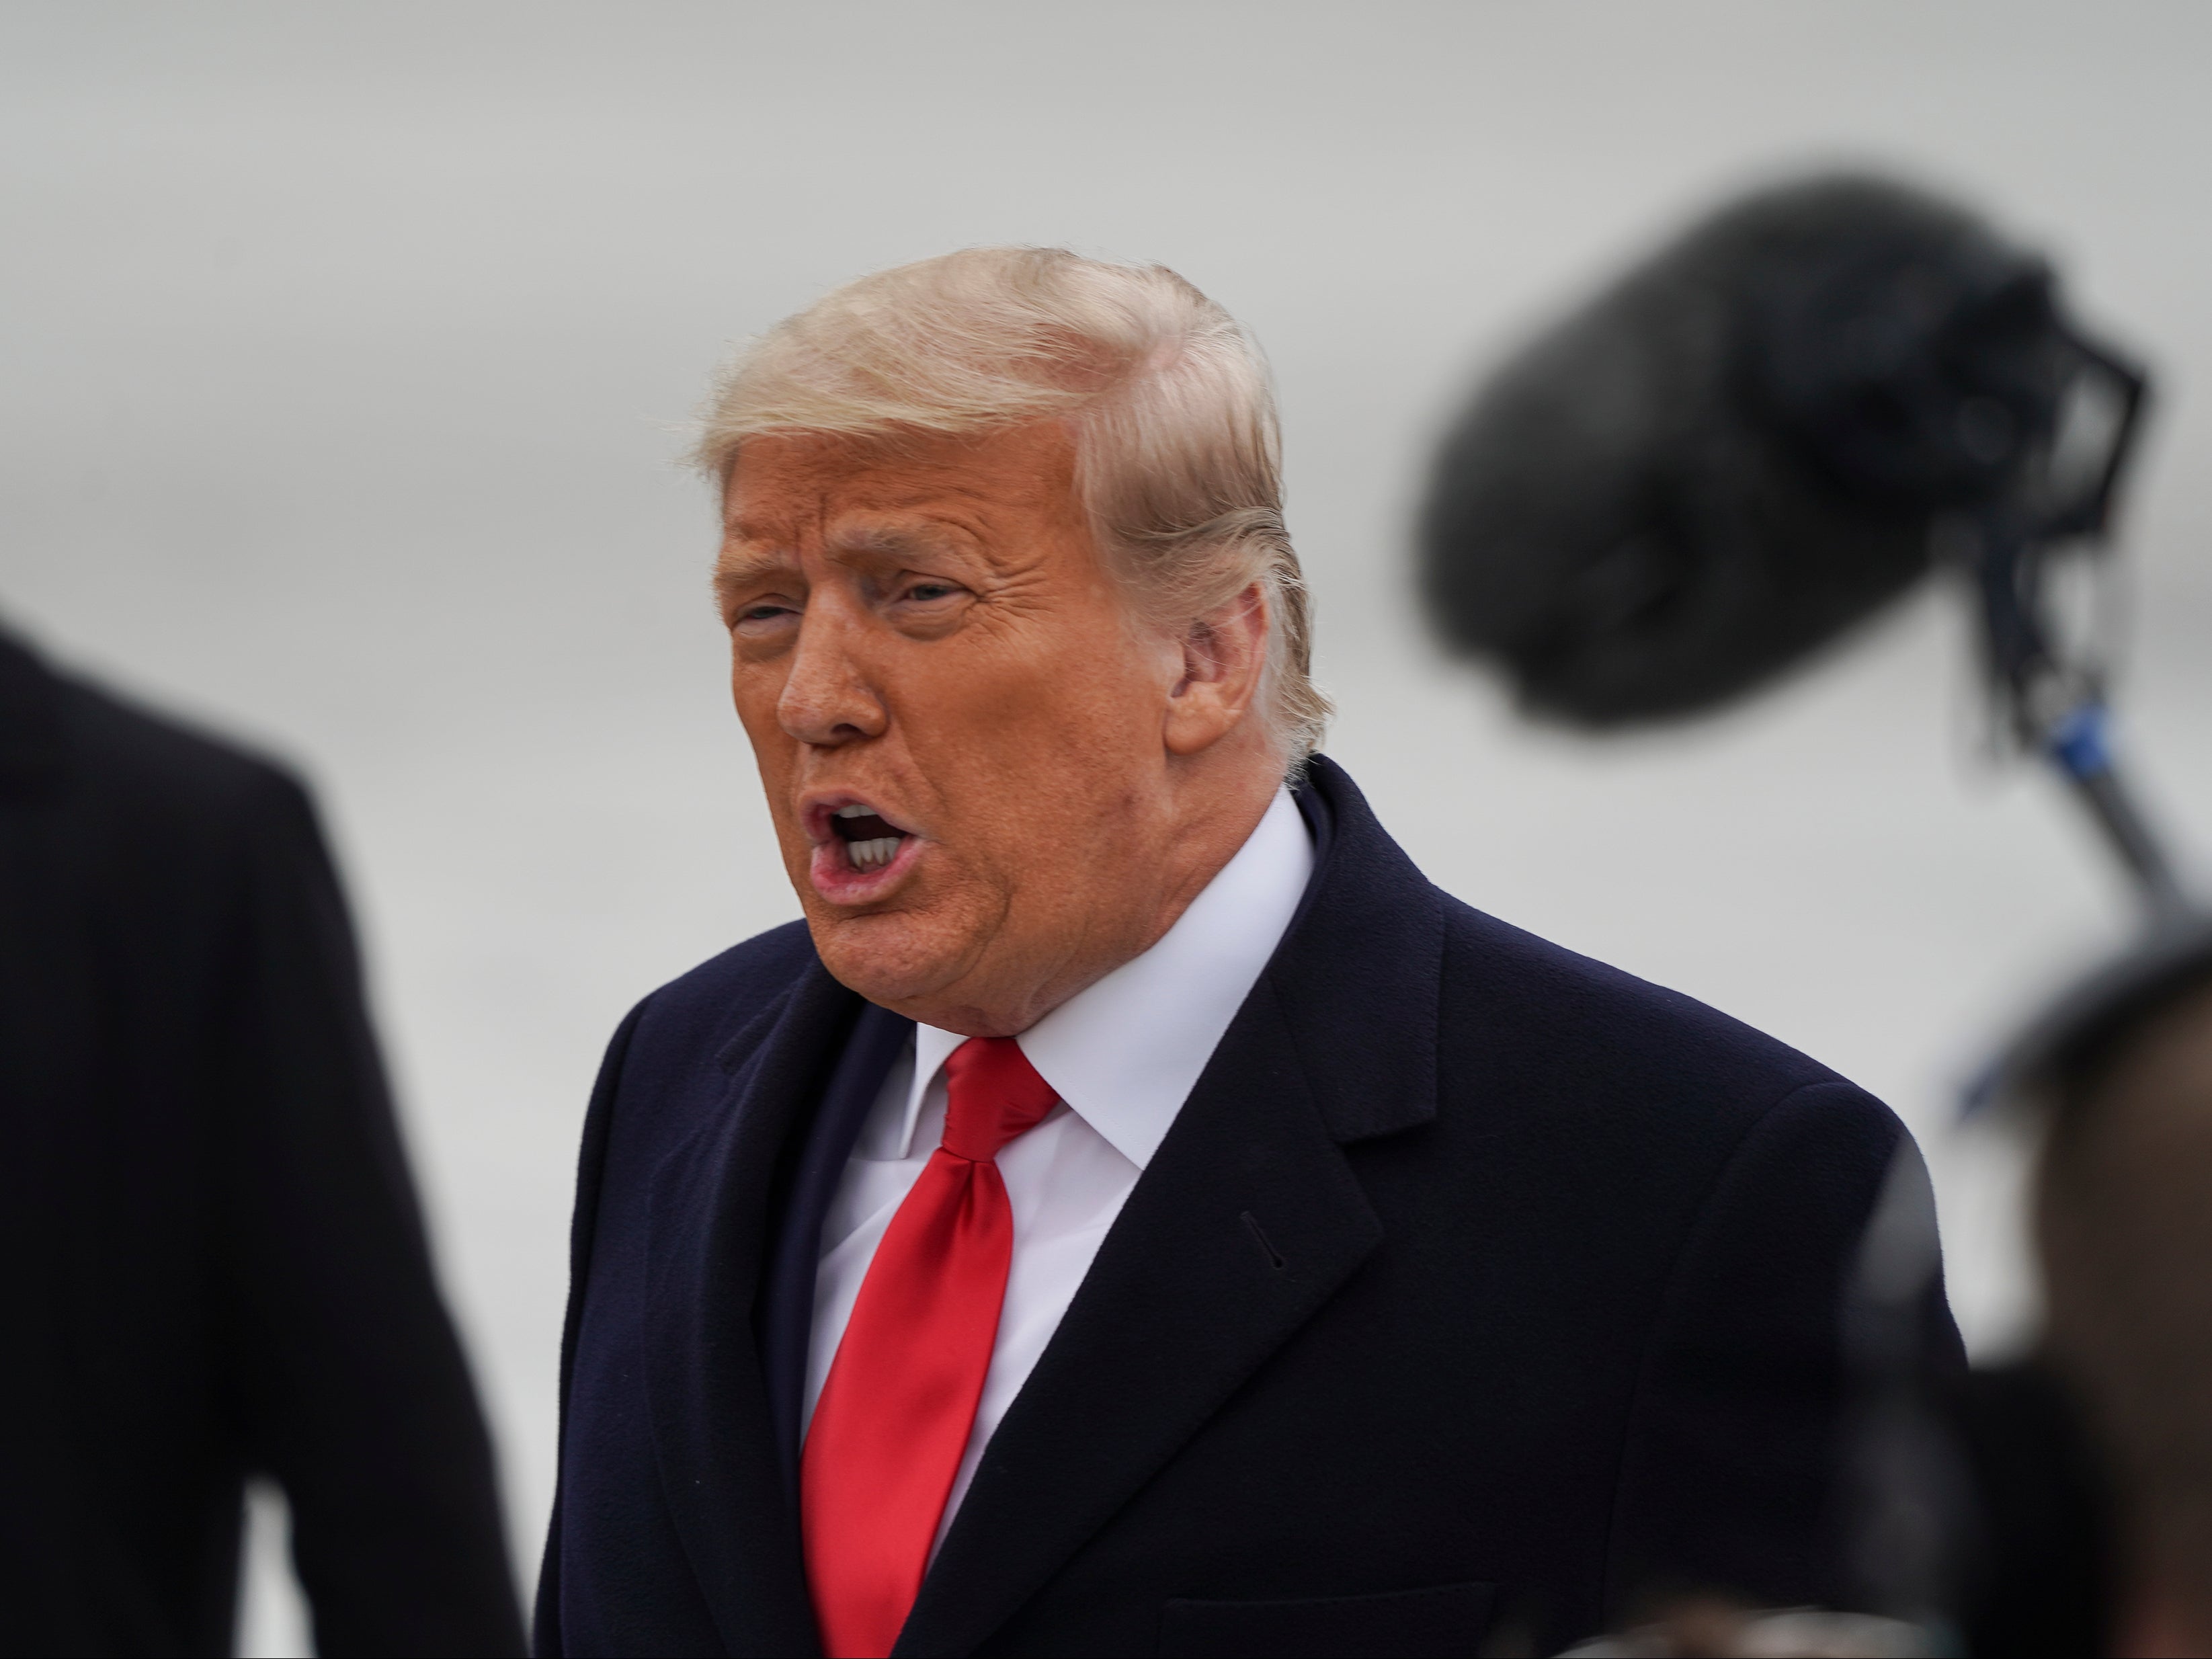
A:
1126	1052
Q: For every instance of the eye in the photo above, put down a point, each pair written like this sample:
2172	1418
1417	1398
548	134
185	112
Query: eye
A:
763	613
924	592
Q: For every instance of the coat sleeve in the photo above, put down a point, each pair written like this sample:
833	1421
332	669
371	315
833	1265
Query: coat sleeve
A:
1736	1473
349	1380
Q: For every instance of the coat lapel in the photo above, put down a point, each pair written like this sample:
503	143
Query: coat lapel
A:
1247	1221
706	1243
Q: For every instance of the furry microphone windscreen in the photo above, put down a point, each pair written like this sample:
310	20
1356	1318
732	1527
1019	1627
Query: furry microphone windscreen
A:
1737	451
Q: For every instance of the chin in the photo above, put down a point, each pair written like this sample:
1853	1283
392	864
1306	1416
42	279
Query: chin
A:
894	959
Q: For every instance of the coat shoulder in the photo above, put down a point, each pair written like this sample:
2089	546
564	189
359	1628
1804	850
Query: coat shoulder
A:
155	769
1620	1044
693	1016
668	1069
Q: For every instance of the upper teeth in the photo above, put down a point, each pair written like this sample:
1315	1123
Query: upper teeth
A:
855	813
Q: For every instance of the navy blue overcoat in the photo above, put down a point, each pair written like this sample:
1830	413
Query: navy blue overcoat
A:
1477	1286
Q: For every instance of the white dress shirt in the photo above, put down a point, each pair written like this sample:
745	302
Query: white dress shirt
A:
1122	1056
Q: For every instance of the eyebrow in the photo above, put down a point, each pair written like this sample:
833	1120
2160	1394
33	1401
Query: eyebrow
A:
919	537
730	574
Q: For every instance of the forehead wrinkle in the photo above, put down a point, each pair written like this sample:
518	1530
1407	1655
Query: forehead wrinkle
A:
948	526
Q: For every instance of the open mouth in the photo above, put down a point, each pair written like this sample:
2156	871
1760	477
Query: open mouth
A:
870	842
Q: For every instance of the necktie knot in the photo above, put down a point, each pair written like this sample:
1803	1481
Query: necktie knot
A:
991	1094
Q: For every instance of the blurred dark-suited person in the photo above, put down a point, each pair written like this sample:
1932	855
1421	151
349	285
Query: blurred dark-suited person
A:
1136	1210
2102	1520
213	1260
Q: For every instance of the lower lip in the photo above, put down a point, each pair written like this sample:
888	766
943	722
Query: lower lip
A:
837	881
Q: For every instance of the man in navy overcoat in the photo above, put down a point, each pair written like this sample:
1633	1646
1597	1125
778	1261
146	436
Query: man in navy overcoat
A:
1136	1212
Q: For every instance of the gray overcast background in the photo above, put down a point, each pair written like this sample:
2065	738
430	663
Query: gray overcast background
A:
342	355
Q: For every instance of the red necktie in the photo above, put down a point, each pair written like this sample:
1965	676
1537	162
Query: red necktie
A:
896	1408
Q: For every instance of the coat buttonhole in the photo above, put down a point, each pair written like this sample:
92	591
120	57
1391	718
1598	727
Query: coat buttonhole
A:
1274	1256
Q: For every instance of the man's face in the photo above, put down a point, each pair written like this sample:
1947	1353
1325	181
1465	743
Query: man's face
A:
957	722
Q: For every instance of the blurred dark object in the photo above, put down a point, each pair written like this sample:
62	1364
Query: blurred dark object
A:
1713	1627
215	1263
1765	433
2073	1037
2124	1232
2037	1582
1904	1493
2093	1460
2036	1540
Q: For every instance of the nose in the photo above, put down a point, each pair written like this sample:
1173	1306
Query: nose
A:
827	700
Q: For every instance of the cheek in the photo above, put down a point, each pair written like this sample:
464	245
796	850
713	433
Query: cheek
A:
1094	718
755	690
774	751
1074	685
1036	760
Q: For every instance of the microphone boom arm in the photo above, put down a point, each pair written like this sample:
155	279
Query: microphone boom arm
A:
2054	706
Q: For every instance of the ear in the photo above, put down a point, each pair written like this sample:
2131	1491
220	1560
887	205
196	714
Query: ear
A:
1224	653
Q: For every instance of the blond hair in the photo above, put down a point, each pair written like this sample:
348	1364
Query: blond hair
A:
1178	461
